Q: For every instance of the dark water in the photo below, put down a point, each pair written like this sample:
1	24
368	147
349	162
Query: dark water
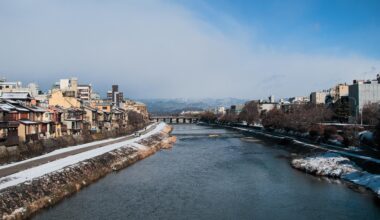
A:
224	177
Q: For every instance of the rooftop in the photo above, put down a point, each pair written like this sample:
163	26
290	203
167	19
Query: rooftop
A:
15	95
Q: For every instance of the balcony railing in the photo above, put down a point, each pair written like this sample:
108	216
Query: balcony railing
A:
31	137
9	124
74	118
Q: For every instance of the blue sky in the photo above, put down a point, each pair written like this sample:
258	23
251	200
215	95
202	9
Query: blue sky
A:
191	49
341	27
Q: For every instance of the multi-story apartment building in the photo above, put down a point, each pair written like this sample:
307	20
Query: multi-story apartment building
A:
115	96
84	92
363	92
318	97
73	119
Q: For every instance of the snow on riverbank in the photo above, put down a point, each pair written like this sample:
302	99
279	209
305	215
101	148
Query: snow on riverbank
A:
41	170
334	165
67	149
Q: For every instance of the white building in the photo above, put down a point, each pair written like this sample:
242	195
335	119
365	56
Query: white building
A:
363	92
266	107
271	99
32	88
299	100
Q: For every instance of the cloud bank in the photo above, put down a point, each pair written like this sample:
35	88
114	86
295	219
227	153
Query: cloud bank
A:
157	49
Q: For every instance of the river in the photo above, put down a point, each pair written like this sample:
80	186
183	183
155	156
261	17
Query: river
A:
222	176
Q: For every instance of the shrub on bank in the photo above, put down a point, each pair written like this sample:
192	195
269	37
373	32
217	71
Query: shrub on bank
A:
329	132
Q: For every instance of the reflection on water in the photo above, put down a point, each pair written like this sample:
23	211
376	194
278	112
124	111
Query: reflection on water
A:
225	177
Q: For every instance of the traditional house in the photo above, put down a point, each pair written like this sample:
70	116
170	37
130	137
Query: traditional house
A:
117	118
23	97
92	118
27	130
105	106
73	119
56	120
8	125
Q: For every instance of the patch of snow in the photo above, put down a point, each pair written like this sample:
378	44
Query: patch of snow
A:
334	165
353	148
67	149
38	171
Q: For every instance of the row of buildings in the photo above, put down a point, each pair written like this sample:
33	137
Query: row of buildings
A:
69	108
355	96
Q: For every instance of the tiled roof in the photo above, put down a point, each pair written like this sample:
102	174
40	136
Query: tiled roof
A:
36	109
15	95
28	122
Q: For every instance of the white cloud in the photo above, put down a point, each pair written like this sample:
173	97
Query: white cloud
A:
156	49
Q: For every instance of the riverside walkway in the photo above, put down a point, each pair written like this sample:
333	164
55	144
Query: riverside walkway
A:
8	169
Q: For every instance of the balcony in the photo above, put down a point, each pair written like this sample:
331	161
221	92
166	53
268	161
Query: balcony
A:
8	124
31	137
74	118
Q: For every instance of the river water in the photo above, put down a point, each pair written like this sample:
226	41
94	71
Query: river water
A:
228	176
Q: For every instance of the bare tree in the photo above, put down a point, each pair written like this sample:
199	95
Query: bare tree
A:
274	119
298	118
371	114
135	118
208	117
250	112
228	118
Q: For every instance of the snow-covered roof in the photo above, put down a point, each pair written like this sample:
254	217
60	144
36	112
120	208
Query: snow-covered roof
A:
28	122
9	107
36	109
6	107
15	95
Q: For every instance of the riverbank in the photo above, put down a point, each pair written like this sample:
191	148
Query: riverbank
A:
36	148
335	166
358	169
219	177
300	147
23	194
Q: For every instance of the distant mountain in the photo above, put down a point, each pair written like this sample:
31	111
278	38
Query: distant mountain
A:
173	106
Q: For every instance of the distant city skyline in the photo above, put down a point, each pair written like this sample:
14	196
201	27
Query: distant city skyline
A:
191	49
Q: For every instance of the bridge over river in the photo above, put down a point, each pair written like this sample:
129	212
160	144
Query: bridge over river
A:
172	119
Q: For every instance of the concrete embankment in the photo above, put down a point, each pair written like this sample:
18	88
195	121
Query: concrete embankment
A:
23	200
298	147
301	148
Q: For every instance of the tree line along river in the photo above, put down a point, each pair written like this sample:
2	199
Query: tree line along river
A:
216	174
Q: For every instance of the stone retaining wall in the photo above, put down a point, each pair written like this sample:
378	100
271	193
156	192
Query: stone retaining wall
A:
23	200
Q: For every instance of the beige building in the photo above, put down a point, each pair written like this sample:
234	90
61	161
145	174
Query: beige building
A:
339	91
65	99
318	97
92	118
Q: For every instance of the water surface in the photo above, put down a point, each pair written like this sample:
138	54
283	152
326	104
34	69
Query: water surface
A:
222	176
